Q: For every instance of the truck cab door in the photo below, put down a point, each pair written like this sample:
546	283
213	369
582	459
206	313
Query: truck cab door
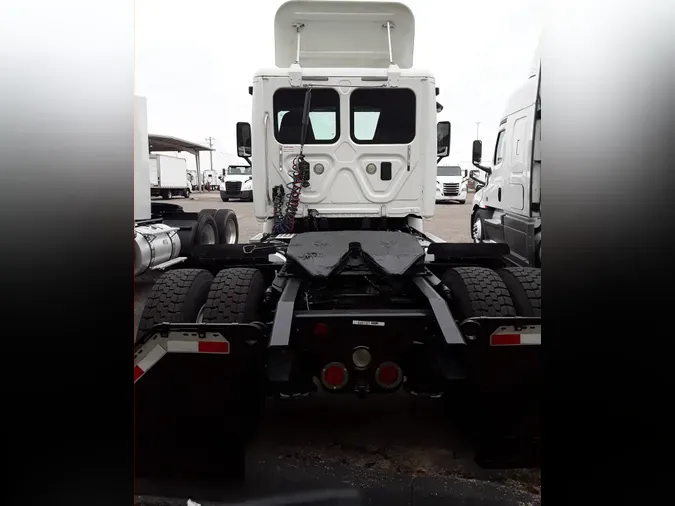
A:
523	165
492	192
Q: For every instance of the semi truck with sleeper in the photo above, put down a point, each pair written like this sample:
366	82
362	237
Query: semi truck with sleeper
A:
507	207
343	292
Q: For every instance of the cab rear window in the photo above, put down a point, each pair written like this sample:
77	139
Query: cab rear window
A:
382	116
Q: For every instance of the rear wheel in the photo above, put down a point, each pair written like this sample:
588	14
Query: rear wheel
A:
228	226
524	285
174	405
207	229
236	296
478	291
487	416
176	297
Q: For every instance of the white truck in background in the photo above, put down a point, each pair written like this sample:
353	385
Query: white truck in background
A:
451	183
210	179
237	183
507	203
168	177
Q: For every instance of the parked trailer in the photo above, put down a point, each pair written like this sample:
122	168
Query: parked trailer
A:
343	291
164	234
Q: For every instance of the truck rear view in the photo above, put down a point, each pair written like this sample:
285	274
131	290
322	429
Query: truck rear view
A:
342	293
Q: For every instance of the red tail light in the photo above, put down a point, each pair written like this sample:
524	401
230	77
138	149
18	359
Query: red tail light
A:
389	375
320	330
334	376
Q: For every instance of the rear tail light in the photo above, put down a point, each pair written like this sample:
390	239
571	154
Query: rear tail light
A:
334	376
320	330
388	375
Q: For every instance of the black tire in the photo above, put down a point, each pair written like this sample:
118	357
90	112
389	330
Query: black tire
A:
167	445
211	212
222	216
186	193
167	194
524	285
235	296
207	229
225	218
462	201
478	291
224	199
177	296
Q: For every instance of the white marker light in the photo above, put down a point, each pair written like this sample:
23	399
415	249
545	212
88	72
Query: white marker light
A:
371	168
318	169
361	357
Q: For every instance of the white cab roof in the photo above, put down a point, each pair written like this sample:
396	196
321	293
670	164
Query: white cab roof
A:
344	34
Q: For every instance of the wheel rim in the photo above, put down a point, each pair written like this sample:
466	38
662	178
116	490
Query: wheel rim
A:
477	230
168	195
230	232
208	235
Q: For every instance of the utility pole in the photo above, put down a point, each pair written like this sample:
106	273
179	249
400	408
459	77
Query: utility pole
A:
210	141
477	125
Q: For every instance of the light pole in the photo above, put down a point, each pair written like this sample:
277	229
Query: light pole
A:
477	125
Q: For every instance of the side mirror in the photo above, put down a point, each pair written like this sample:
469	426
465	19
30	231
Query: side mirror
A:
243	139
477	151
443	138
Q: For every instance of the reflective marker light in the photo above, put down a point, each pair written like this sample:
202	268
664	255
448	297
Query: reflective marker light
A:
371	168
318	169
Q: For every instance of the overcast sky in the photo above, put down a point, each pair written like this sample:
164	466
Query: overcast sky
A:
196	58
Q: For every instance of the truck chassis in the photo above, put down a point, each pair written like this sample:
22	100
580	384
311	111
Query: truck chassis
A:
352	311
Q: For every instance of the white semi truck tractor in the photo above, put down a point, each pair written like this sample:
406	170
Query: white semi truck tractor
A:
343	290
164	234
507	207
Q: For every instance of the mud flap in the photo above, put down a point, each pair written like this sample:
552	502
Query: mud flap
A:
504	368
198	391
